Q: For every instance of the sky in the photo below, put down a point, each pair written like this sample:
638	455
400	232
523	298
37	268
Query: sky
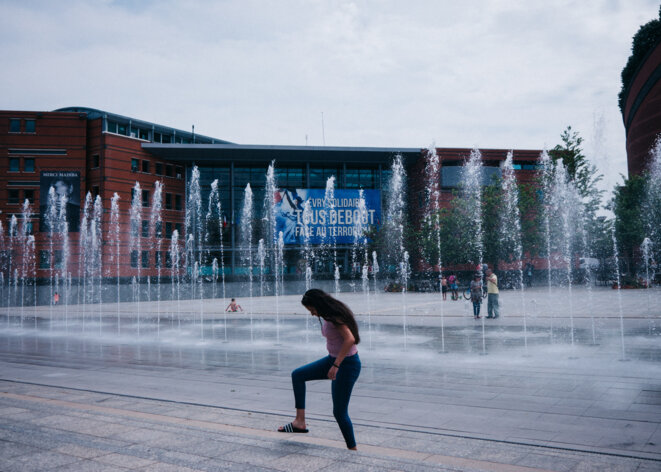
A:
478	73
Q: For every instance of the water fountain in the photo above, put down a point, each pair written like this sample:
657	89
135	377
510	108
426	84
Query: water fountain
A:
471	185
192	255
245	237
510	230
135	241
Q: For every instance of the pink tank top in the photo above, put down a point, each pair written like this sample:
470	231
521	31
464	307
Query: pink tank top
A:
334	340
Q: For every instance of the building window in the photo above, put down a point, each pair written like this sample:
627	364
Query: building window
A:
28	165
179	171
145	198
320	175
177	202
157	259
157	137
44	259
158	168
121	129
58	259
145	259
168	201
14	125
158	229
134	228
168	230
112	127
96	160
168	260
177	227
14	163
29	228
28	195
96	191
168	170
290	177
134	165
30	126
13	196
145	228
166	139
145	167
134	259
143	134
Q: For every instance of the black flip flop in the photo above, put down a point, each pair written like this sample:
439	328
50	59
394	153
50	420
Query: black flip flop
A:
290	428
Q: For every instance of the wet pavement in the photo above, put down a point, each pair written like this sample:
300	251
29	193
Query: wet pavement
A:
438	390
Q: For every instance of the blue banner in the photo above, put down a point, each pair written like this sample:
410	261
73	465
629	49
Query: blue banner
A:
326	222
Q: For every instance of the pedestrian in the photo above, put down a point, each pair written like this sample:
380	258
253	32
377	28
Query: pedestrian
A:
341	366
233	306
444	287
454	288
493	311
476	295
529	269
56	298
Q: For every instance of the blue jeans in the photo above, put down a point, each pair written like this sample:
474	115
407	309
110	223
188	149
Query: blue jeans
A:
476	308
341	388
492	305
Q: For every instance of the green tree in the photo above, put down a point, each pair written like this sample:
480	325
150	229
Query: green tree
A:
627	204
585	178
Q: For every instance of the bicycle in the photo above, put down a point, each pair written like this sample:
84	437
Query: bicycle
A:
467	293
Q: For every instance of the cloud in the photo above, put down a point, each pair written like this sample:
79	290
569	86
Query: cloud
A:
509	74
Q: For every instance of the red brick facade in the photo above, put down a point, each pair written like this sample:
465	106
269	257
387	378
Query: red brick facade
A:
642	112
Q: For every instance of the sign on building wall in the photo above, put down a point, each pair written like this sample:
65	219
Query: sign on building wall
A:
325	225
67	189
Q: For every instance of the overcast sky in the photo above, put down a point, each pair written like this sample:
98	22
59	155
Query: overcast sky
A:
483	73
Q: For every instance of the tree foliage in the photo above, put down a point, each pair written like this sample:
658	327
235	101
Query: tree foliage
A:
645	39
627	205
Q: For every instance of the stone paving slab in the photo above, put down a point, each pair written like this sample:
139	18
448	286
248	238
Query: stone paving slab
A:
163	442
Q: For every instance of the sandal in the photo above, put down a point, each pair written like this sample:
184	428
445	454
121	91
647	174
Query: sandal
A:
290	428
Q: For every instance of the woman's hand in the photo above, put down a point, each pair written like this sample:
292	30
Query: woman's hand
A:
332	373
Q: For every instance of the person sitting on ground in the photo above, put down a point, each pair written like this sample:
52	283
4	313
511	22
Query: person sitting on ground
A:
233	306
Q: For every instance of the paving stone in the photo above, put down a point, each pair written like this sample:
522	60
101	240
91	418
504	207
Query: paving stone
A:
40	461
88	466
123	460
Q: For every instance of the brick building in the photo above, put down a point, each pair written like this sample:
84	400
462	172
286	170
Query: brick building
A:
641	111
102	154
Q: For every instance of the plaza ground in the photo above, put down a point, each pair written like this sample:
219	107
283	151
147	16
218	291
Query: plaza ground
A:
557	383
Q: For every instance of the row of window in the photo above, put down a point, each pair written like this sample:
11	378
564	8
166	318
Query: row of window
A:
17	125
145	167
148	135
145	259
296	177
15	164
178	199
57	261
145	232
15	196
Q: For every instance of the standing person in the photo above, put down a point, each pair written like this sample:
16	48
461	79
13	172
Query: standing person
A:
444	287
233	306
452	280
476	295
341	366
529	269
493	310
56	298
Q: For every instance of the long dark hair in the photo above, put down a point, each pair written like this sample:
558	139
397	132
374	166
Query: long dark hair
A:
331	309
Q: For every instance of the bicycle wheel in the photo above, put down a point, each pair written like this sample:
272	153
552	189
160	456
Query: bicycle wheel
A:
467	294
484	293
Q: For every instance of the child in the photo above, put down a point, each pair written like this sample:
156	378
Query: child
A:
233	306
